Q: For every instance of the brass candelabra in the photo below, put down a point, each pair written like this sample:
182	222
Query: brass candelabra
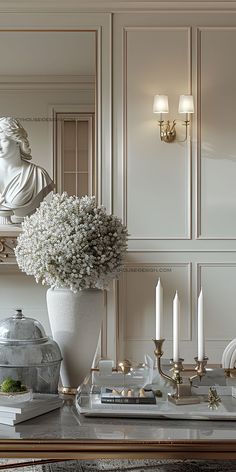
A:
183	394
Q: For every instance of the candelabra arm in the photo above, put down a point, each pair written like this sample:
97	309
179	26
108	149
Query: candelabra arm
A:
200	369
162	374
195	376
159	353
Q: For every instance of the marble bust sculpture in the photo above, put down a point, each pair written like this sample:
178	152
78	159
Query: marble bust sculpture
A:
23	185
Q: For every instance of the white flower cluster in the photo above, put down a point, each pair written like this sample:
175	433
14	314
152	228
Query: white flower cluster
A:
70	242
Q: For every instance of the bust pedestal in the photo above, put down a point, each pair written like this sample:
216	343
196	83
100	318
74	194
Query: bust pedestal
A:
5	217
8	236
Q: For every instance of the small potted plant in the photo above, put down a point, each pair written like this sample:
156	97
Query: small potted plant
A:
14	391
75	247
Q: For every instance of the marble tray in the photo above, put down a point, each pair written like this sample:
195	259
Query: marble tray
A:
163	409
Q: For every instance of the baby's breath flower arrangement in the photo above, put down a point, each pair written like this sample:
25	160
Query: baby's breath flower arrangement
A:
70	242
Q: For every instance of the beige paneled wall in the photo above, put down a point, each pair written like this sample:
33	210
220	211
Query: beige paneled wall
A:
147	72
217	156
219	305
182	271
179	199
137	323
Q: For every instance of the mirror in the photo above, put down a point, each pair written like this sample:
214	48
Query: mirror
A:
48	81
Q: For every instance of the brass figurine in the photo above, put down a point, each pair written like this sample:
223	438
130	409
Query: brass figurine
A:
214	399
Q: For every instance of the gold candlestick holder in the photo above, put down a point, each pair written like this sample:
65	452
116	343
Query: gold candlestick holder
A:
177	368
200	368
183	394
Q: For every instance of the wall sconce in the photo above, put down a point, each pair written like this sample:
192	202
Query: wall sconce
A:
167	129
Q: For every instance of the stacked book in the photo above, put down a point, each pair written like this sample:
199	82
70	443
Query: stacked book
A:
127	396
13	413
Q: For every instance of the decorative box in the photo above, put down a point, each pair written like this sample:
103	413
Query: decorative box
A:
27	354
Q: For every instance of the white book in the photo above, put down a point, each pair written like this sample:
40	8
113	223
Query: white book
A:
38	400
20	417
27	410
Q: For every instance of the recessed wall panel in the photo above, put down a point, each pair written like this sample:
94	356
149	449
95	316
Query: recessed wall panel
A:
217	159
218	285
157	201
138	302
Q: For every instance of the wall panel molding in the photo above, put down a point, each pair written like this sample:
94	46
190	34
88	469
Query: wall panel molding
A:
117	6
154	270
188	171
44	83
213	298
199	216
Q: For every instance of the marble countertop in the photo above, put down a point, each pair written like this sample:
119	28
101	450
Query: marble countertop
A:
67	424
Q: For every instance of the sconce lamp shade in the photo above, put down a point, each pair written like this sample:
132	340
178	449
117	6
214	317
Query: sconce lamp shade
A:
160	104
186	104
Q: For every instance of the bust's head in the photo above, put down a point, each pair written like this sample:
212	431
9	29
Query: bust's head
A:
12	129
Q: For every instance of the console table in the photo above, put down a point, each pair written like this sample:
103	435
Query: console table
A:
63	434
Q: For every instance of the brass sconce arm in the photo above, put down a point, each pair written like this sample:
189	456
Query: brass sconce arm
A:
186	123
168	131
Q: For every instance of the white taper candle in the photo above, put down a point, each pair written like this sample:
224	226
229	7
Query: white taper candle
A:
176	315
159	310
200	328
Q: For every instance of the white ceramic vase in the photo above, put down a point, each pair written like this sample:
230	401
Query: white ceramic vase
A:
75	320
